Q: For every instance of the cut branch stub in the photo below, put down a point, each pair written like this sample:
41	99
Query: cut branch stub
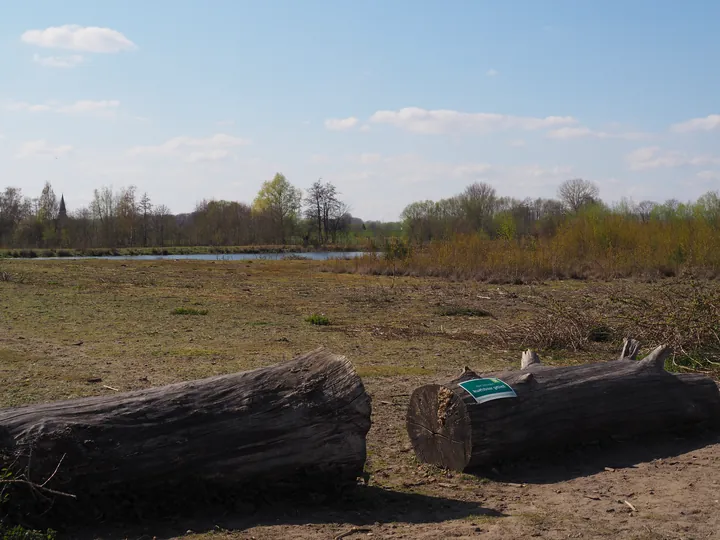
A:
656	359
529	359
630	349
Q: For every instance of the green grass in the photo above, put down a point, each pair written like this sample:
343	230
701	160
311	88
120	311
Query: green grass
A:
189	311
318	320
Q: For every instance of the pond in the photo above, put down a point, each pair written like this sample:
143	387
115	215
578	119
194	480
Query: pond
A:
312	256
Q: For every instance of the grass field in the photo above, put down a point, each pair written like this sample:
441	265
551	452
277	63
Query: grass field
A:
138	324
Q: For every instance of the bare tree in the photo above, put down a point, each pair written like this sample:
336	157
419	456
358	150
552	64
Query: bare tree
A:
325	210
644	210
577	192
160	216
479	201
145	208
314	203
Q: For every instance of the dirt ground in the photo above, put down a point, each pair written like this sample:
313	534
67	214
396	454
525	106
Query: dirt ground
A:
64	323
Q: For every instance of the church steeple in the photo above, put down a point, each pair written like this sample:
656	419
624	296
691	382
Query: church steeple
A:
62	213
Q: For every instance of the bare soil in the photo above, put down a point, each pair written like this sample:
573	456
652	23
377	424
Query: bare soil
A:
66	323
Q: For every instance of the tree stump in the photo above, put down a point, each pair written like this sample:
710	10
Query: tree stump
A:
473	421
301	423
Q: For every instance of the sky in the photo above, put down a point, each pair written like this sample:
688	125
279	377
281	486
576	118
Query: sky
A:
393	101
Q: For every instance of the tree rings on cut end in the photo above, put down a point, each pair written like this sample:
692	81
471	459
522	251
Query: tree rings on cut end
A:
439	427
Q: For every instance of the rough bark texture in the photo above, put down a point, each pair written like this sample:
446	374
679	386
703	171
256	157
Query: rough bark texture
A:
557	406
306	419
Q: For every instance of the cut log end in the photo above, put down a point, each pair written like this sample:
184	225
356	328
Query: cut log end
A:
439	427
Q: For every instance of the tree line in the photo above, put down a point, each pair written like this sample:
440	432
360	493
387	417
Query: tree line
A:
279	214
282	214
479	209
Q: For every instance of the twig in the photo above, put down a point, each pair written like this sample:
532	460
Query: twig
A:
39	488
354	530
110	388
630	506
54	472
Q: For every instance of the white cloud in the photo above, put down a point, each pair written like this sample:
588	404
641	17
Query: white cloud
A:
86	106
69	61
319	159
517	143
492	73
417	120
207	155
653	157
193	149
709	175
41	148
79	38
23	106
90	107
406	169
581	131
709	123
368	158
341	124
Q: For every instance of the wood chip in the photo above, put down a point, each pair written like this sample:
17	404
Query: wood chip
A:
445	485
514	485
592	498
609	469
630	506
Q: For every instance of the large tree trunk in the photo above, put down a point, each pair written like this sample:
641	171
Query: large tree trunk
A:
553	407
298	423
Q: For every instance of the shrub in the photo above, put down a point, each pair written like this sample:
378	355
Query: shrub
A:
318	320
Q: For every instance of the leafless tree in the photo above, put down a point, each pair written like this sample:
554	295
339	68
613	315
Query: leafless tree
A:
644	209
577	192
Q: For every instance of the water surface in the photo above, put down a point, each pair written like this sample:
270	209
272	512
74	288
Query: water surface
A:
311	255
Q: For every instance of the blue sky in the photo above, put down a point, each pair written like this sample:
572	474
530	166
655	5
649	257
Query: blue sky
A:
393	100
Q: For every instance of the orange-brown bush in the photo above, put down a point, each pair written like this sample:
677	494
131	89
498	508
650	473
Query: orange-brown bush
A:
599	245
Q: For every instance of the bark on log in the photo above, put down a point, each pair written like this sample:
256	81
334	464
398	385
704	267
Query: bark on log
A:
307	418
556	406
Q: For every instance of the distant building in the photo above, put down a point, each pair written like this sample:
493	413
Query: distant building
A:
62	219
62	213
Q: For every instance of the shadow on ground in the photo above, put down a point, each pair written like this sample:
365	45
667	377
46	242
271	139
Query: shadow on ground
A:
590	460
358	507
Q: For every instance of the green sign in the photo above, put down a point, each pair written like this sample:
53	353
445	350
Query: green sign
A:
483	390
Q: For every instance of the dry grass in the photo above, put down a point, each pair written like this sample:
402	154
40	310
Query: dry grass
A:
255	315
69	323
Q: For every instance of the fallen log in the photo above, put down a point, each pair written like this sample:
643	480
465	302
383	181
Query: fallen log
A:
303	422
477	421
